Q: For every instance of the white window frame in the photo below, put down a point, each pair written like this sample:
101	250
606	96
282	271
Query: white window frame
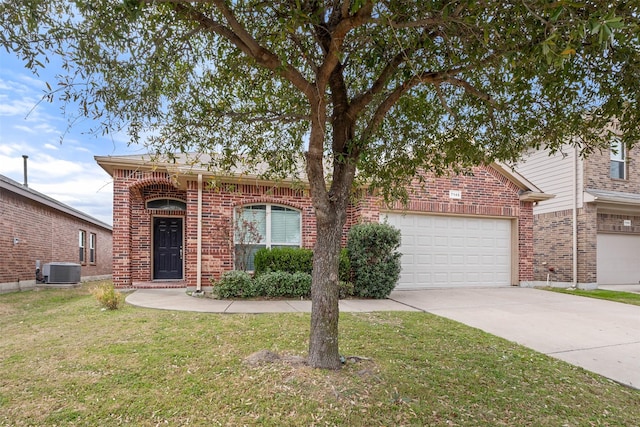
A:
82	244
266	239
618	154
92	248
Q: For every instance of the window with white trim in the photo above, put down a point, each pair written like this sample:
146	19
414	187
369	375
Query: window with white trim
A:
92	248
618	164
82	242
264	226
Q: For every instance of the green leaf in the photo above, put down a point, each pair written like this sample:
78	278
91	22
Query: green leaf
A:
556	14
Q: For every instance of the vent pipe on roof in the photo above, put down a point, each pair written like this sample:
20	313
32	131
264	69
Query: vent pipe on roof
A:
25	157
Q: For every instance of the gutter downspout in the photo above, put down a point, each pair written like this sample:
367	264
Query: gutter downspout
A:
199	239
575	218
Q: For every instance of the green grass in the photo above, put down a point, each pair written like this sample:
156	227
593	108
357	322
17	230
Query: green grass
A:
65	362
617	296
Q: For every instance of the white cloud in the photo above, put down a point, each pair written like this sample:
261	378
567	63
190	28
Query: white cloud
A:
30	126
7	149
90	192
82	185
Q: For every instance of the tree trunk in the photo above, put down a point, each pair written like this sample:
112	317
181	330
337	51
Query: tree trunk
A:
323	341
331	212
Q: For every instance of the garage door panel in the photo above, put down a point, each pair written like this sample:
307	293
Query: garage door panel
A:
457	242
457	260
442	251
618	259
473	260
441	260
457	278
441	241
426	241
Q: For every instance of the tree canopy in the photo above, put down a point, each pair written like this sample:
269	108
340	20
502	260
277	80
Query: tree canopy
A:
382	87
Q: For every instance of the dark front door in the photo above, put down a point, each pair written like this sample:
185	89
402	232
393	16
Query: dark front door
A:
167	248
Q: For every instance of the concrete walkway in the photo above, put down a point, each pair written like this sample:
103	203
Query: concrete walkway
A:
177	299
600	336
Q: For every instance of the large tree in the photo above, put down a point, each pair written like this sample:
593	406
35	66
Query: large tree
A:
386	88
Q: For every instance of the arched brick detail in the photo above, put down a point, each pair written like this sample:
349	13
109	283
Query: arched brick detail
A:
150	181
268	201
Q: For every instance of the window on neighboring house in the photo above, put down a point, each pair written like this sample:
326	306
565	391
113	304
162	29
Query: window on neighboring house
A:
82	243
618	164
92	248
264	226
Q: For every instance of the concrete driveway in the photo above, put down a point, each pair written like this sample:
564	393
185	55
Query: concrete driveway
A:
600	336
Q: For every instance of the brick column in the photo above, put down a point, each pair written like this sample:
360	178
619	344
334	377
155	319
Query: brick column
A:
121	235
525	242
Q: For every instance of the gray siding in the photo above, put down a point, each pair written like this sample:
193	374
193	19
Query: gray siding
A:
553	175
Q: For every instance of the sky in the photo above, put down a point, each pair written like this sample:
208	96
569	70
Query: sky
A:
61	162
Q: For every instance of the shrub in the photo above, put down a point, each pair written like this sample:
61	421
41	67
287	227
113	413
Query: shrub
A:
344	270
345	289
284	284
375	260
108	296
291	260
235	284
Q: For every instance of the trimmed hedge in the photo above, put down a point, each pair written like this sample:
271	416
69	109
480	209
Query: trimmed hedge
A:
235	284
281	272
273	284
375	260
284	284
291	260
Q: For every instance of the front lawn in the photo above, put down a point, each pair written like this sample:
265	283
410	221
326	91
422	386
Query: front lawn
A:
617	296
65	362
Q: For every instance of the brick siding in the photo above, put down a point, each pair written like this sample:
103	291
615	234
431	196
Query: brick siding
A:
487	193
597	174
47	235
553	231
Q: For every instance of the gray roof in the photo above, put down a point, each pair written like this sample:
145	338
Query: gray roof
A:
195	163
613	197
17	188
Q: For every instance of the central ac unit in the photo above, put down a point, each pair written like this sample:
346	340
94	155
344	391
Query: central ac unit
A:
61	272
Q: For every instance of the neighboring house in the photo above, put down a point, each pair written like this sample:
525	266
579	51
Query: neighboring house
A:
39	229
177	225
589	234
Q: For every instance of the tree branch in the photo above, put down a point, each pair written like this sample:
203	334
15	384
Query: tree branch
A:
443	101
469	88
361	101
334	37
240	37
270	117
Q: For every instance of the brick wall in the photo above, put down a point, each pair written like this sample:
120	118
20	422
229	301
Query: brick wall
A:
553	246
132	222
587	244
218	204
597	174
47	235
487	193
553	236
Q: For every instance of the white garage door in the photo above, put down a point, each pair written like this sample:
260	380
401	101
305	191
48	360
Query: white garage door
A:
618	259
446	251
